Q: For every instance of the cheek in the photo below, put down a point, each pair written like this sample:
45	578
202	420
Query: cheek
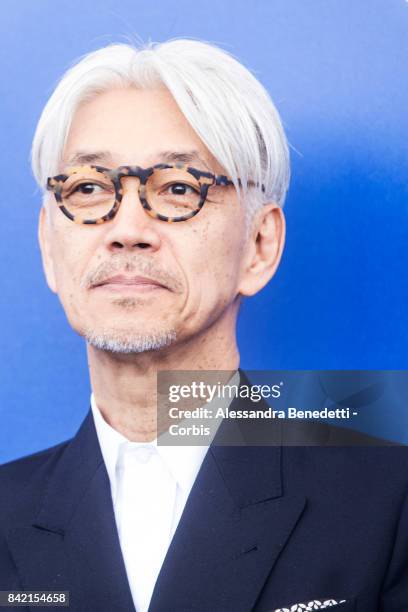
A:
69	256
217	249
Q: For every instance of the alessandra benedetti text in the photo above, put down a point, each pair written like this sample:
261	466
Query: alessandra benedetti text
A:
269	413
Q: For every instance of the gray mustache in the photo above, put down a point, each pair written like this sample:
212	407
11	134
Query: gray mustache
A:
135	264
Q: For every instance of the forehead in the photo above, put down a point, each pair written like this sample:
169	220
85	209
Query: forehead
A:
133	126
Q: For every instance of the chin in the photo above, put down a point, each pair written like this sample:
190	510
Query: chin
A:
125	342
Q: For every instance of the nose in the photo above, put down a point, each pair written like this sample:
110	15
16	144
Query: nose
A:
132	228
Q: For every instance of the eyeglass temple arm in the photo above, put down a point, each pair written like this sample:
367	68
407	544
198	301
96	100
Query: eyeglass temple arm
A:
224	180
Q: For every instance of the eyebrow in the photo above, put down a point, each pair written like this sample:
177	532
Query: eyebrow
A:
170	157
85	157
185	157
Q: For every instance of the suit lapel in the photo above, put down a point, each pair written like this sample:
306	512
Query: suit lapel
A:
235	524
72	544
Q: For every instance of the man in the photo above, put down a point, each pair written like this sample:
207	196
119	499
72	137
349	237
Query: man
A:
164	171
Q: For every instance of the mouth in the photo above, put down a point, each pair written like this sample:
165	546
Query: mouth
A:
121	283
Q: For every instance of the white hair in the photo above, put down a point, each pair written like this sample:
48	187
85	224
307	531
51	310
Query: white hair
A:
225	104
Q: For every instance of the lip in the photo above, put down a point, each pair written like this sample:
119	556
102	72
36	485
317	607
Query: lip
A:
121	282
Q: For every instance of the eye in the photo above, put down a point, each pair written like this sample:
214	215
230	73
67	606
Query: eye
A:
88	188
181	189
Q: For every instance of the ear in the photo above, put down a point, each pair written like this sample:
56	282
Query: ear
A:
44	238
263	249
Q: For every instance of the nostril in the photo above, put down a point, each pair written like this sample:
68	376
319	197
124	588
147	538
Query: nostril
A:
120	245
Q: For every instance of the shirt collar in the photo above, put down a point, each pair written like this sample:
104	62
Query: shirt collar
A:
110	441
183	462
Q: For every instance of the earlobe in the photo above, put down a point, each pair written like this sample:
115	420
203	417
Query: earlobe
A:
45	247
264	249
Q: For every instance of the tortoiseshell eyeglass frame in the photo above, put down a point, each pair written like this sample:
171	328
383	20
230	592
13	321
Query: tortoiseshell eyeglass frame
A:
205	181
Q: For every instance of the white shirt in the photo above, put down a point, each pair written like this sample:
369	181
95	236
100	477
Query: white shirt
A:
150	484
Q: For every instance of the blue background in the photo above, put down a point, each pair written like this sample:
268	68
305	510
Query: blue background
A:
337	73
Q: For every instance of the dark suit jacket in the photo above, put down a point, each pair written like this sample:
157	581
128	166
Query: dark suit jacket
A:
264	527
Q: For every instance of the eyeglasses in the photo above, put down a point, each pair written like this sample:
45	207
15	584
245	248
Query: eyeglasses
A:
93	194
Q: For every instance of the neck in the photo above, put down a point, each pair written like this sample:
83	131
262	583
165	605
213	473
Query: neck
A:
125	385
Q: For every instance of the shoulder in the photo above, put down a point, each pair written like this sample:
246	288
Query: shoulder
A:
23	467
23	480
335	435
